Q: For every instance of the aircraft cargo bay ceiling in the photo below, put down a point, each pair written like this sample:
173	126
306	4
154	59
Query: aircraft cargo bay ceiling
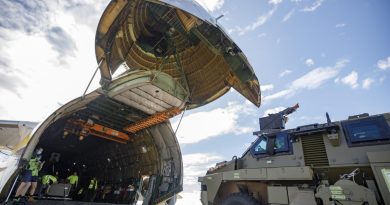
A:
179	39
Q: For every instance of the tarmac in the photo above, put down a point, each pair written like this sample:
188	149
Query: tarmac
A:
57	202
51	202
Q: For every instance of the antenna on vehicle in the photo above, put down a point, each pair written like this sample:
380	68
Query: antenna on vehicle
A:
219	17
328	119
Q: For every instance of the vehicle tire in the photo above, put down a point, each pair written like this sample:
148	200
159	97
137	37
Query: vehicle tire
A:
239	199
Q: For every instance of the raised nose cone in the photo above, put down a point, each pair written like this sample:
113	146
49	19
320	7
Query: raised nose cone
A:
177	38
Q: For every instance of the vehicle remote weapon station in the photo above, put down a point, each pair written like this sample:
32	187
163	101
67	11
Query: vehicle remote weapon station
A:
345	162
176	57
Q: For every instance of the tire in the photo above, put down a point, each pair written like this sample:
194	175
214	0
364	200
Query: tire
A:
239	199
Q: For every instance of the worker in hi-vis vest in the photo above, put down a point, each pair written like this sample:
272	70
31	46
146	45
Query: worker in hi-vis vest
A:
47	180
73	180
90	193
30	176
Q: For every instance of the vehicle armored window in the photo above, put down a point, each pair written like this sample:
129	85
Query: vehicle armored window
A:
365	131
269	145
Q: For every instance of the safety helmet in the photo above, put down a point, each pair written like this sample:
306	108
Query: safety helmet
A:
39	151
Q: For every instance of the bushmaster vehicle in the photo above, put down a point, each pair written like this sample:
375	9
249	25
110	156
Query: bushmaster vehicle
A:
344	162
176	57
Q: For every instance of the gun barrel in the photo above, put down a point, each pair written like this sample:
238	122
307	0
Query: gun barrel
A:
289	110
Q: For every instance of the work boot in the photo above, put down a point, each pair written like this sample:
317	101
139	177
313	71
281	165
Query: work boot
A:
21	200
31	199
15	201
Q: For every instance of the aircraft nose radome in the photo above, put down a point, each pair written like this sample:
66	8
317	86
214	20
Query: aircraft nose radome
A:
178	39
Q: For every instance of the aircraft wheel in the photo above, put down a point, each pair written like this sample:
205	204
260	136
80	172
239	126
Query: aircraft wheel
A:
239	199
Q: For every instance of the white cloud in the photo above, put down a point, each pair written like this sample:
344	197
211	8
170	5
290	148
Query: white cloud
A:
275	2
192	198
261	35
309	62
318	76
340	25
273	111
46	54
288	15
384	64
284	73
367	83
259	22
280	94
351	79
267	87
294	120
315	78
224	121
211	5
197	164
341	63
311	80
313	7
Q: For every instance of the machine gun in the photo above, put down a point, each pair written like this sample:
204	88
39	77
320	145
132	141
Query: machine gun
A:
273	124
276	122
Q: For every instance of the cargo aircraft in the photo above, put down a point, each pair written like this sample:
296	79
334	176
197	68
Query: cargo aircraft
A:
176	58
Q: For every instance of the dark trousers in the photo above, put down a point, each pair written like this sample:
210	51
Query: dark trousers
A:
90	195
43	189
73	191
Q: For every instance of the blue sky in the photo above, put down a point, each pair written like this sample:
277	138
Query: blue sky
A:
328	55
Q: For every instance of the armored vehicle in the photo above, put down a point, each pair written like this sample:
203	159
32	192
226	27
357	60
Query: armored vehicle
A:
344	162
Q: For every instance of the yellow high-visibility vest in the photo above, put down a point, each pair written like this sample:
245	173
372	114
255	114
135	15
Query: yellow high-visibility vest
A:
73	179
47	178
80	191
93	184
34	166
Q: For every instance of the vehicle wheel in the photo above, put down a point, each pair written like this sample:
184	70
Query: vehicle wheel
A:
239	199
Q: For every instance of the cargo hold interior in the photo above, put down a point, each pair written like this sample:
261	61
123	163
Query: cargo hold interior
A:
148	155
